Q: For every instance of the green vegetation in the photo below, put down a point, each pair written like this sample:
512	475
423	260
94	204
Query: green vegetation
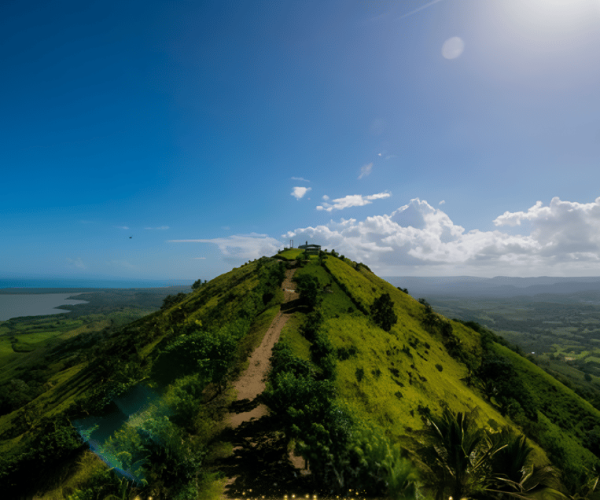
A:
399	382
375	390
185	352
382	312
289	254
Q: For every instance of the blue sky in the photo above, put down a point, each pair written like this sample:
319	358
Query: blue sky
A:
179	139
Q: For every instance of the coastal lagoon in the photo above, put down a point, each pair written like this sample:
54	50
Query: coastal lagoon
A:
17	305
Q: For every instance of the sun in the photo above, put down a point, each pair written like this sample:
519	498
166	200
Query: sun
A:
548	17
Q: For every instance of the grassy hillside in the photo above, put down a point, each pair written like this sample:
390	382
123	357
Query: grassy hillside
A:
354	395
425	363
179	359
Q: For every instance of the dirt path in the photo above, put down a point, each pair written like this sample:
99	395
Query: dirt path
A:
258	459
252	381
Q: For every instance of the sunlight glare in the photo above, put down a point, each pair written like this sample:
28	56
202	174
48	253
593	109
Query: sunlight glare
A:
453	47
551	17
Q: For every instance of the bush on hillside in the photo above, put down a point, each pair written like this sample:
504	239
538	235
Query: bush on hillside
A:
382	312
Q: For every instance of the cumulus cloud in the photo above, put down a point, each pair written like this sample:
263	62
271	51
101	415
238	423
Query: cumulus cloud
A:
241	246
365	170
325	197
352	200
418	239
301	179
159	228
443	202
299	192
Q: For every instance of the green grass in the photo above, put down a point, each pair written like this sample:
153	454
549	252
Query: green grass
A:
387	394
289	254
332	303
291	334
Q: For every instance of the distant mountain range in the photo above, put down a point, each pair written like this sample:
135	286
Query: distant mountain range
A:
498	287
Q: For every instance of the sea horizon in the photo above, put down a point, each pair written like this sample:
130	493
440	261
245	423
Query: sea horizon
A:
78	283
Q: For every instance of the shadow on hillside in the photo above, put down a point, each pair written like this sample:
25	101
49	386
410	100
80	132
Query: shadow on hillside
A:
260	463
244	405
293	306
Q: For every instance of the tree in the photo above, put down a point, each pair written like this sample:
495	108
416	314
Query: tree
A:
198	284
451	453
510	471
308	287
382	312
462	460
170	300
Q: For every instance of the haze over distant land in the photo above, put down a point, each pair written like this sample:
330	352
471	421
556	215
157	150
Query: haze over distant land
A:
165	141
498	287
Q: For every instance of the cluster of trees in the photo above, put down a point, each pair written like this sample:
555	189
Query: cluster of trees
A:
341	451
170	300
16	393
209	354
308	287
198	284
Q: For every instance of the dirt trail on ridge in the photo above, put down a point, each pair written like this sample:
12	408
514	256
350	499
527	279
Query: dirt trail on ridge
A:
252	382
260	465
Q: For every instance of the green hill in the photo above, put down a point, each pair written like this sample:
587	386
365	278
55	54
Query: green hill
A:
142	412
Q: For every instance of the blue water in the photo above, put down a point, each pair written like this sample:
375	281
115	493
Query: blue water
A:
37	304
89	283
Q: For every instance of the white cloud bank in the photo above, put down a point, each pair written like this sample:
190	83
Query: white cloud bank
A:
352	200
242	246
299	192
417	239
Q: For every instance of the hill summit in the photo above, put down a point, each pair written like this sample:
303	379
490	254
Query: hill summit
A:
367	390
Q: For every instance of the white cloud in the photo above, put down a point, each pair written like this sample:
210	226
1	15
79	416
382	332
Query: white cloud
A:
300	179
325	197
443	202
121	227
365	170
160	228
299	192
417	239
198	258
352	200
77	263
242	246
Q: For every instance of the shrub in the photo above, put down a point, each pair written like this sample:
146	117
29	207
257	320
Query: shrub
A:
382	312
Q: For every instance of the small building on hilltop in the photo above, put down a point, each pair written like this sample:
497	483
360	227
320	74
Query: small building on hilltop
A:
310	249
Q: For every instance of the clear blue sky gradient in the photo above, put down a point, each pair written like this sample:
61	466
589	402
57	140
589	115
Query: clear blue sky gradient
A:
196	115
